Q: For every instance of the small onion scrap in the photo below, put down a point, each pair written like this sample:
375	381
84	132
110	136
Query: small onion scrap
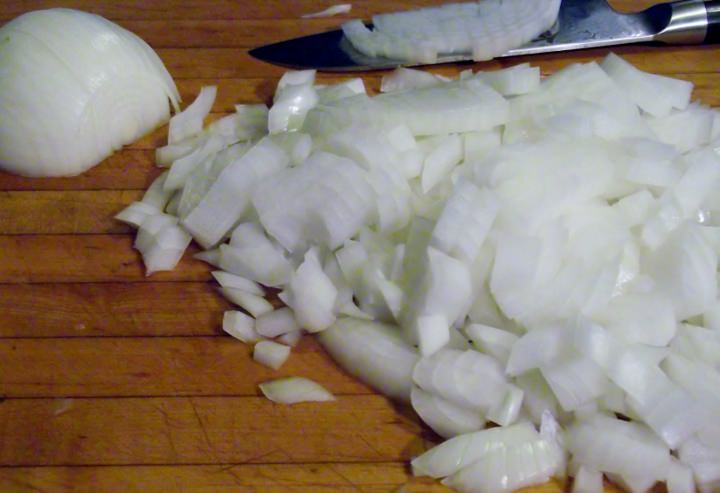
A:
293	390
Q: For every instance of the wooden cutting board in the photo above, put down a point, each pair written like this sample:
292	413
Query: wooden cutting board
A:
113	381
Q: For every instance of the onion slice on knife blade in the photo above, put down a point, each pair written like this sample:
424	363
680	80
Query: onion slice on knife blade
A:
486	29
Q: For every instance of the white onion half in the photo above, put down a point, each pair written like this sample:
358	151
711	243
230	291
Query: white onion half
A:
74	88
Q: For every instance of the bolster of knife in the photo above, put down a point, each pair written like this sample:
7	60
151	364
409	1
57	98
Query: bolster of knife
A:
713	21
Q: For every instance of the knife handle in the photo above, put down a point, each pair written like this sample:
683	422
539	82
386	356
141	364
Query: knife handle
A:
713	20
690	22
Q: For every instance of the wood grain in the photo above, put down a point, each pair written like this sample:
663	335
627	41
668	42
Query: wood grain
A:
64	212
154	366
204	430
111	309
226	478
132	169
85	258
111	381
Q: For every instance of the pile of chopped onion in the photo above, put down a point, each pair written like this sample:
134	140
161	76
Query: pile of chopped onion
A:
482	29
531	264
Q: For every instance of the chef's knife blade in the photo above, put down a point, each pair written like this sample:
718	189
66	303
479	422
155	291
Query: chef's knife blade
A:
581	24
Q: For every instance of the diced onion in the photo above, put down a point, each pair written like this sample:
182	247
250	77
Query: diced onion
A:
293	390
240	326
276	323
374	353
455	454
227	280
271	354
545	259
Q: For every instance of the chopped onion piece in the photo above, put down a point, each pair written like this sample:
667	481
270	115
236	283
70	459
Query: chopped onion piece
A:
469	106
249	122
312	295
374	353
445	289
255	305
295	96
227	280
341	90
457	453
491	340
166	155
181	169
680	478
537	348
151	227
156	195
271	354
704	460
265	264
467	378
136	213
339	204
403	78
512	81
654	94
211	257
189	122
643	318
444	417
477	145
684	271
240	326
686	129
229	197
630	484
161	242
506	411
276	323
440	161
575	380
508	468
433	333
619	447
291	338
465	221
292	390
587	480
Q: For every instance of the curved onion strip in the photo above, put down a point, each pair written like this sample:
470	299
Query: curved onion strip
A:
293	390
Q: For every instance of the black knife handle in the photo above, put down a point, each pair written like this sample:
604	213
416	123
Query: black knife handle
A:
713	17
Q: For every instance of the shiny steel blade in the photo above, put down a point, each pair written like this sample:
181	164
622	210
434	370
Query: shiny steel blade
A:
581	24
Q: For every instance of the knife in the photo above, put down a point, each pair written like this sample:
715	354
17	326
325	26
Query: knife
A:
581	24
